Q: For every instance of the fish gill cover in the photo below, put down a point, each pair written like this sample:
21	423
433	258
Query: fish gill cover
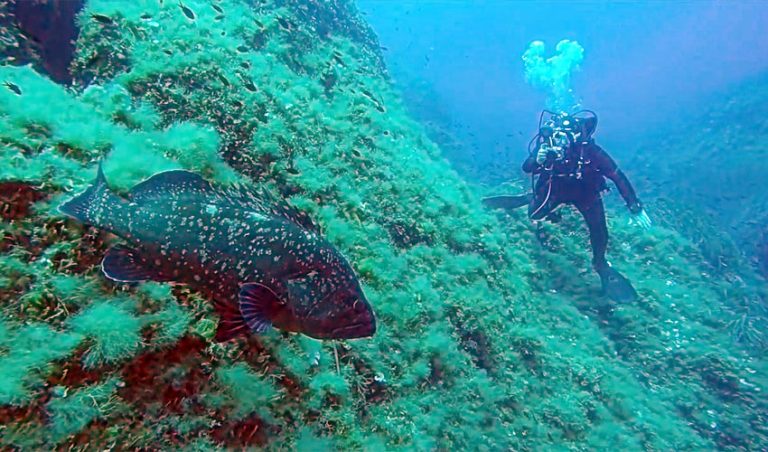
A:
472	350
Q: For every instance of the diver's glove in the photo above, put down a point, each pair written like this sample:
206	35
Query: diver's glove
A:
639	216
541	156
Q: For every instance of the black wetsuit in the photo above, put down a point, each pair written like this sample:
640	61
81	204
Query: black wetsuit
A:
579	180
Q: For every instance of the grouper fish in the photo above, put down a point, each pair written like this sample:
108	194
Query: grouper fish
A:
260	261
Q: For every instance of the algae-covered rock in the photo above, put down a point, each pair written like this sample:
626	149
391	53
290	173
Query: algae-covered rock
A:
474	350
711	166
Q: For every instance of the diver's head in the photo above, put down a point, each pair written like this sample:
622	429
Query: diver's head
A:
556	124
560	130
586	124
557	134
547	130
581	124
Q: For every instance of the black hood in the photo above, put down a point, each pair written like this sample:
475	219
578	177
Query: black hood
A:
588	127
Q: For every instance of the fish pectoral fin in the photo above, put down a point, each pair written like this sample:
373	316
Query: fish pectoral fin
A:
231	324
126	265
258	306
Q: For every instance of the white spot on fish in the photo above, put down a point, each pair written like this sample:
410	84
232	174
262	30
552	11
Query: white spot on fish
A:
256	216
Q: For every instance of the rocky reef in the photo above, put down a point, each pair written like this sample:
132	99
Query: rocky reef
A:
711	164
487	339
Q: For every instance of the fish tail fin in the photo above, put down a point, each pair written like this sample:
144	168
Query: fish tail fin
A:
81	207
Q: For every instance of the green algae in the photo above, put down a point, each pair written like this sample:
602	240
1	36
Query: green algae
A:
112	329
29	352
249	393
70	413
475	348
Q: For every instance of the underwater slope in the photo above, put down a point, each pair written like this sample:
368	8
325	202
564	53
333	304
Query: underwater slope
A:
472	351
713	162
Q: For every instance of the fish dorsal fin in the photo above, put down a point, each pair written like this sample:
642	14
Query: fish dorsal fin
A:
161	185
285	210
263	201
81	206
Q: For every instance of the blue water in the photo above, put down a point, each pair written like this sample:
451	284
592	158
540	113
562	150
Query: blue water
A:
645	62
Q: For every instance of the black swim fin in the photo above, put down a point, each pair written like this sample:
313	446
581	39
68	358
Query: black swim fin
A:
616	286
507	202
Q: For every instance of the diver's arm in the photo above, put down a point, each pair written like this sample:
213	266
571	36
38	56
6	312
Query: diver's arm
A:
627	191
535	162
611	170
531	166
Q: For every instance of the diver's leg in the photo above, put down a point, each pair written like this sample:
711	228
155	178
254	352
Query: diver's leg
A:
615	285
593	212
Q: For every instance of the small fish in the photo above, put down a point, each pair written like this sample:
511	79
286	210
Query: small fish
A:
339	61
101	18
378	105
242	49
224	80
329	81
94	60
13	87
217	8
249	85
187	11
262	262
284	24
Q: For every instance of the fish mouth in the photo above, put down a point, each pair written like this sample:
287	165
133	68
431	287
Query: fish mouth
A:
354	331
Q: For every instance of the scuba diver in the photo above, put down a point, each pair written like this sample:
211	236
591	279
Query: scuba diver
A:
572	169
